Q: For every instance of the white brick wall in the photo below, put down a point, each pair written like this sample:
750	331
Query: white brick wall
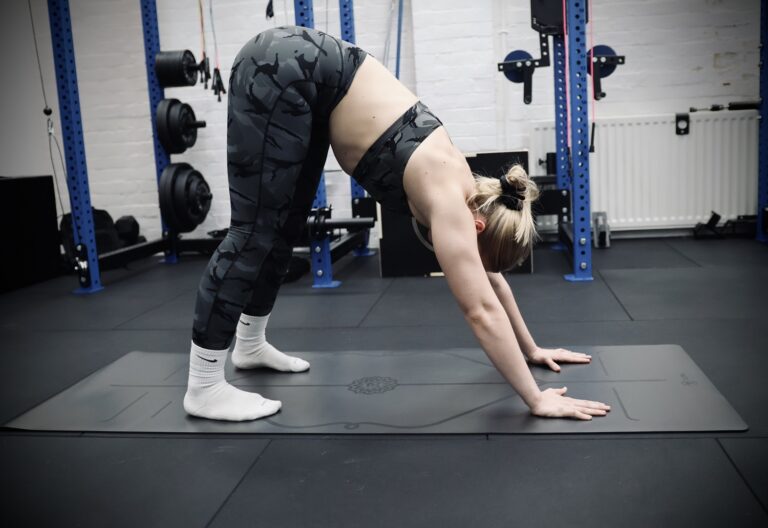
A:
23	139
679	54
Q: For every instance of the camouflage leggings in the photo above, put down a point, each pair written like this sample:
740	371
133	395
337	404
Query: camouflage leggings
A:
283	86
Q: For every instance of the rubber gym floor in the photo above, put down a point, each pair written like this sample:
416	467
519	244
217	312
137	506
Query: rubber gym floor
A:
707	296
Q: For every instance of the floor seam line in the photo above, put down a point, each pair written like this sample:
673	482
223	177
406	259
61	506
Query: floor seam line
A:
743	478
381	296
686	257
117	327
600	273
239	482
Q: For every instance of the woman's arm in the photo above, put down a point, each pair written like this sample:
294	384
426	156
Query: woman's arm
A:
534	353
455	241
507	299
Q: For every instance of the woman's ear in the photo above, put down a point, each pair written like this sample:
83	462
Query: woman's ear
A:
479	224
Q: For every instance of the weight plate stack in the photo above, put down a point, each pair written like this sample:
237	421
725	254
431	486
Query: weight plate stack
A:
185	197
176	68
176	125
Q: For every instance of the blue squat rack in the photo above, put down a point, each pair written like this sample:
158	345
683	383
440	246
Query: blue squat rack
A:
87	259
86	256
156	94
578	181
320	248
570	91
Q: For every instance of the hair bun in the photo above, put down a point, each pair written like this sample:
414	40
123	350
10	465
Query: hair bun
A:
516	178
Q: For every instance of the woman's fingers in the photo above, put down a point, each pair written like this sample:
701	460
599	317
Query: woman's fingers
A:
554	366
580	415
589	404
562	354
592	411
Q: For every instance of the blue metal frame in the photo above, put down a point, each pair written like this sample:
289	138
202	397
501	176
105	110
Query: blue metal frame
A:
561	114
347	20
156	94
320	249
72	135
578	62
347	16
762	188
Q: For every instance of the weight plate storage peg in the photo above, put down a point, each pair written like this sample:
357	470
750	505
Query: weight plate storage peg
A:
176	68
176	125
519	57
185	197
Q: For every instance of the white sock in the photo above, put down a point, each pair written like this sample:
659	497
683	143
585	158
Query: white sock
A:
210	396
252	350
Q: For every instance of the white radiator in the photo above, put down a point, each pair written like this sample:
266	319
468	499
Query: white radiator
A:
647	177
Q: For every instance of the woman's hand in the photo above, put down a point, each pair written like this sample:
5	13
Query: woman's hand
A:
552	404
548	356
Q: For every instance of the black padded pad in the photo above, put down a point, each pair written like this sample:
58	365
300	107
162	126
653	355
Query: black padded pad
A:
750	456
506	482
650	389
429	302
636	254
691	293
728	252
120	482
291	311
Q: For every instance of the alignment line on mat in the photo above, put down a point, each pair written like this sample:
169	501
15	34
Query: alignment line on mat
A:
124	408
624	408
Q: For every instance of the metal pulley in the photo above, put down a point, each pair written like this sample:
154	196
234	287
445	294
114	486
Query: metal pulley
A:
176	125
185	197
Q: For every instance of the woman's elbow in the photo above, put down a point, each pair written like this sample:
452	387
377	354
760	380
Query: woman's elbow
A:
481	315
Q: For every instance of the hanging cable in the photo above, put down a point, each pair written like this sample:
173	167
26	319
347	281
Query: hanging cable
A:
204	66
47	111
216	84
52	138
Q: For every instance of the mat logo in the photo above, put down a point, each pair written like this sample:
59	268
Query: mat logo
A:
372	385
686	380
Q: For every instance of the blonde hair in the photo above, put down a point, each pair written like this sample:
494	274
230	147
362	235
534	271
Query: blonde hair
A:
509	233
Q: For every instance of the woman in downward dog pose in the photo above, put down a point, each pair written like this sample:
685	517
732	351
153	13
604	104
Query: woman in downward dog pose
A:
295	92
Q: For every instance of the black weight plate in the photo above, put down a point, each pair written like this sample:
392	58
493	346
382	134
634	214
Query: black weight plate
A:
199	196
161	122
167	184
176	68
183	117
166	213
166	196
181	199
169	129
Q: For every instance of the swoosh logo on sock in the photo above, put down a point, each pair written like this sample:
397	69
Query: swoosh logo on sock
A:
208	360
244	323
